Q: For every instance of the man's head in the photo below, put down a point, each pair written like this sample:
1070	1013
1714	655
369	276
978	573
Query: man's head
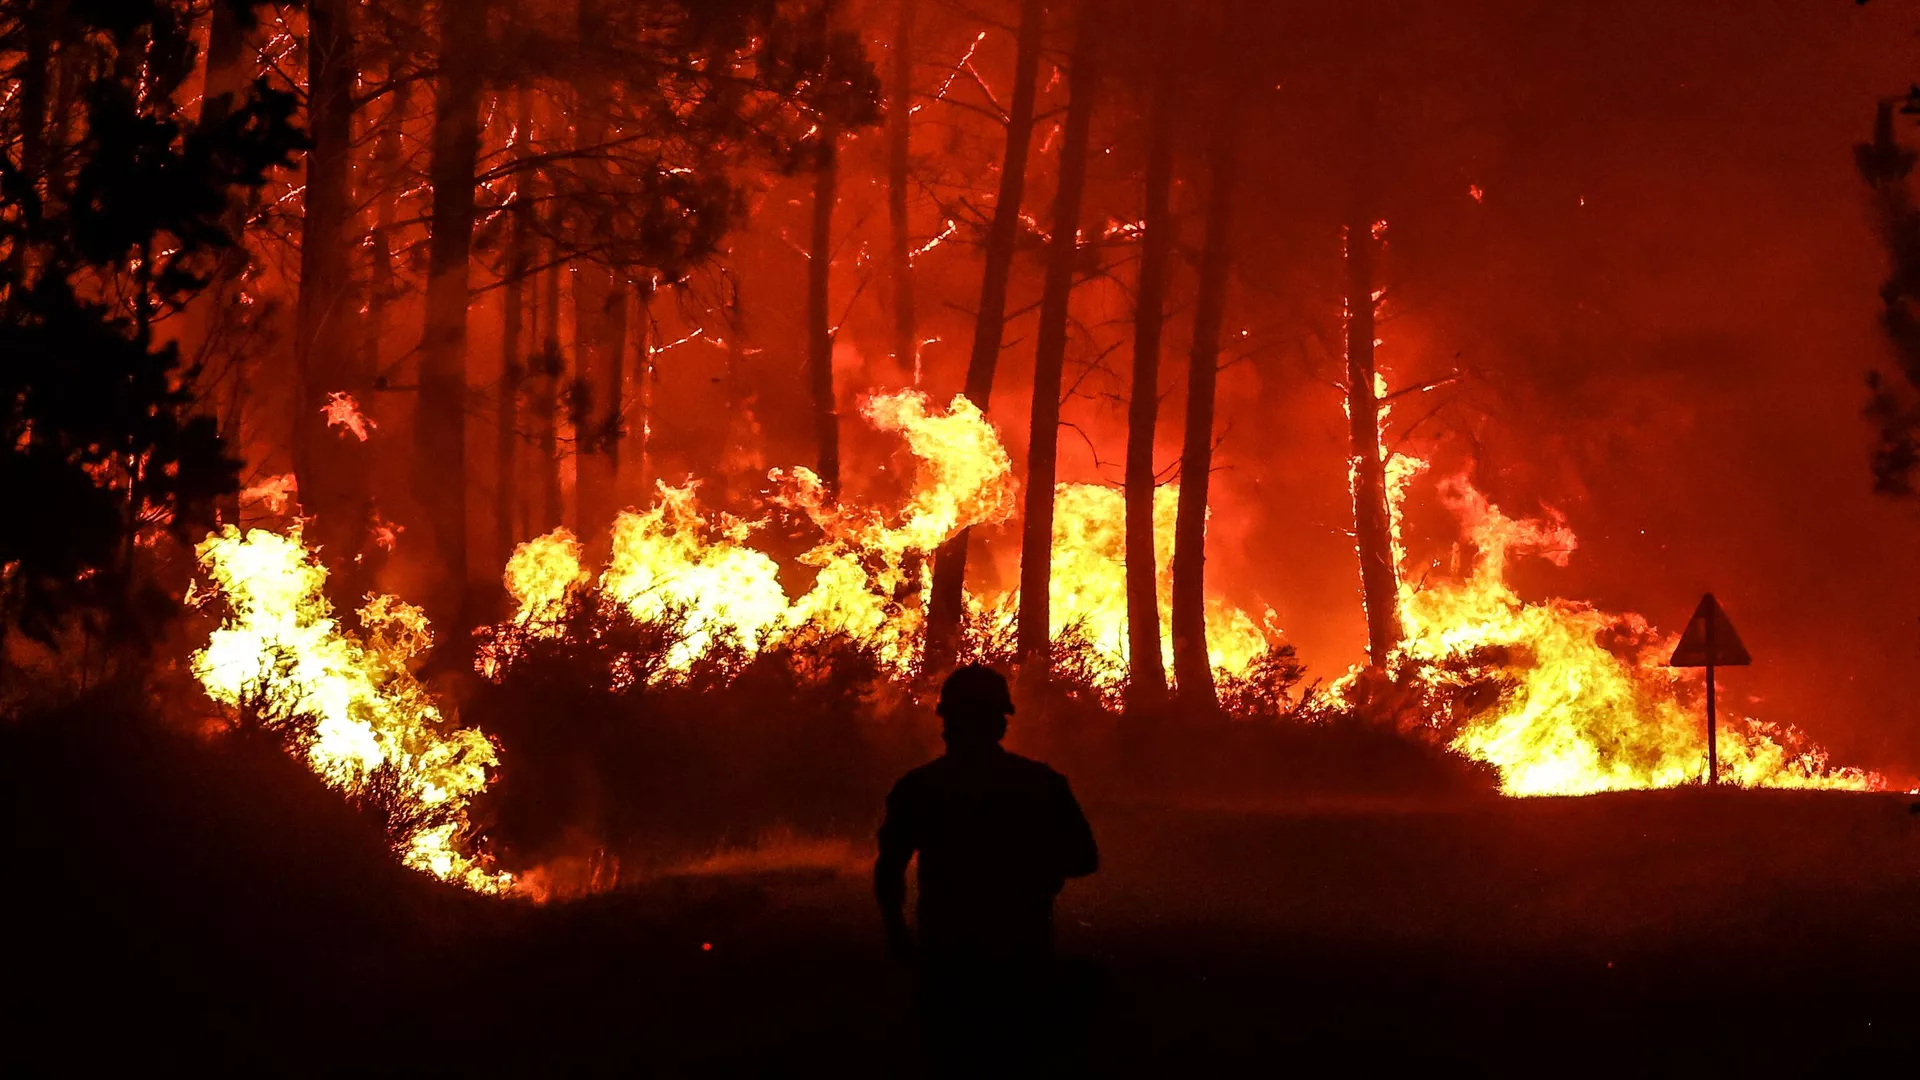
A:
974	705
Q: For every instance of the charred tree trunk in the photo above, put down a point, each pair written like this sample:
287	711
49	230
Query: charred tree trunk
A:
906	350
530	466
826	178
36	76
382	277
643	391
944	605
512	346
1146	671
440	452
599	315
553	373
331	467
826	418
1192	671
227	72
1050	355
600	333
1372	517
734	393
68	77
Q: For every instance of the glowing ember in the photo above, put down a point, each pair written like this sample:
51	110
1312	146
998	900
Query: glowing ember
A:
273	494
347	702
385	534
342	411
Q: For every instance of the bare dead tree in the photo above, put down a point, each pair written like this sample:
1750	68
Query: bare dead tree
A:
1372	520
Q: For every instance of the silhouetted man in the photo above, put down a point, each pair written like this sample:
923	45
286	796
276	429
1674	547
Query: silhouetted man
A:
997	835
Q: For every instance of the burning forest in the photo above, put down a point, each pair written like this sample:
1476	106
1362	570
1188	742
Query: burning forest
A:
563	448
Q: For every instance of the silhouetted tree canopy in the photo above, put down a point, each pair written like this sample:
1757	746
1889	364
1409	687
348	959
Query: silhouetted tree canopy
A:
106	231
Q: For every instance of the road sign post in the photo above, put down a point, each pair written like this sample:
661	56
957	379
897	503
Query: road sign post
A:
1709	642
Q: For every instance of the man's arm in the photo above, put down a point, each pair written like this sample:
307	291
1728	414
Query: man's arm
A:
898	840
1079	856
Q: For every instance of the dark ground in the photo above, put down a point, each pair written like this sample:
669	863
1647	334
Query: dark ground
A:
176	904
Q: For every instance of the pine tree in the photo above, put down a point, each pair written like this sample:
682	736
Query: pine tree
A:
1043	432
111	217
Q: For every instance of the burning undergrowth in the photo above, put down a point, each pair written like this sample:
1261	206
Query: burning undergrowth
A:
619	763
869	567
346	701
1562	697
685	692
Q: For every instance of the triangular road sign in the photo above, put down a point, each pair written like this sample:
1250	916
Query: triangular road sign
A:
1710	625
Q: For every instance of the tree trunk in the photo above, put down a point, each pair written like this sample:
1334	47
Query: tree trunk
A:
330	464
1146	671
69	77
512	346
36	75
386	202
599	315
946	602
1192	671
553	372
440	452
642	479
906	350
736	429
227	71
600	333
1372	520
826	418
529	466
1043	431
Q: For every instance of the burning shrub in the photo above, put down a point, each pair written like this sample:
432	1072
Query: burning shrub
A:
1265	690
349	704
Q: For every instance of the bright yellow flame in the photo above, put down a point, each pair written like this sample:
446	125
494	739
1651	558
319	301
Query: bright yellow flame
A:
871	567
668	562
1591	706
1088	582
350	703
672	562
544	574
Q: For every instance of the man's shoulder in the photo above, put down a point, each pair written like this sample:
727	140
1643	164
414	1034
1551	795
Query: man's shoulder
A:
1039	770
919	777
1005	770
